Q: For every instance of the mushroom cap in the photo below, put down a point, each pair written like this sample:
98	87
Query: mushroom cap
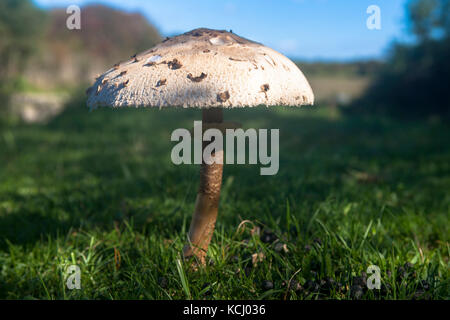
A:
203	68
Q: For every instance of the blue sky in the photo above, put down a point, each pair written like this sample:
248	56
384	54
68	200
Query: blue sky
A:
307	29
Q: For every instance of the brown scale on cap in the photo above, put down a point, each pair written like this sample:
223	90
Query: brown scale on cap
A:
264	88
235	59
197	79
161	82
123	73
174	64
223	35
125	83
223	96
302	98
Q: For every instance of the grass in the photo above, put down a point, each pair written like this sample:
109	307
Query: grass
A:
99	190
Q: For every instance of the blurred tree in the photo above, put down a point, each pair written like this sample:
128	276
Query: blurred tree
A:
429	18
444	18
74	57
21	26
415	79
422	17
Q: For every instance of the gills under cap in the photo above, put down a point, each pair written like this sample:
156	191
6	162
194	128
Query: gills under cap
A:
203	68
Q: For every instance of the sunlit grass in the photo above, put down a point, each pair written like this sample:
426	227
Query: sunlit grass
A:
98	189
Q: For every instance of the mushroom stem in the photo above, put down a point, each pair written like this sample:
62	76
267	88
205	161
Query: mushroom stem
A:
207	202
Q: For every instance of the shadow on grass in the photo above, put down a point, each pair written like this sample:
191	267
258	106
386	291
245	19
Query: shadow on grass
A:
85	170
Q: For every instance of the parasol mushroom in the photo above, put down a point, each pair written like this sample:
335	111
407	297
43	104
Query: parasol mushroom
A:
211	70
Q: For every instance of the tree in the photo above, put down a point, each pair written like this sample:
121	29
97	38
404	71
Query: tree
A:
413	83
21	26
429	18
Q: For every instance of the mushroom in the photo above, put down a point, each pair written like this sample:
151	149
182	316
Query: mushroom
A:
211	70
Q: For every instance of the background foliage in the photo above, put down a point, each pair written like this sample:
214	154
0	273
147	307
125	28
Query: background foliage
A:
414	81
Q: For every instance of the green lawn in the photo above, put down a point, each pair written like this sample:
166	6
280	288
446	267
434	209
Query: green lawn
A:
98	189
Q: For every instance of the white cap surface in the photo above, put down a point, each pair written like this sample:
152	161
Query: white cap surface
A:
203	68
